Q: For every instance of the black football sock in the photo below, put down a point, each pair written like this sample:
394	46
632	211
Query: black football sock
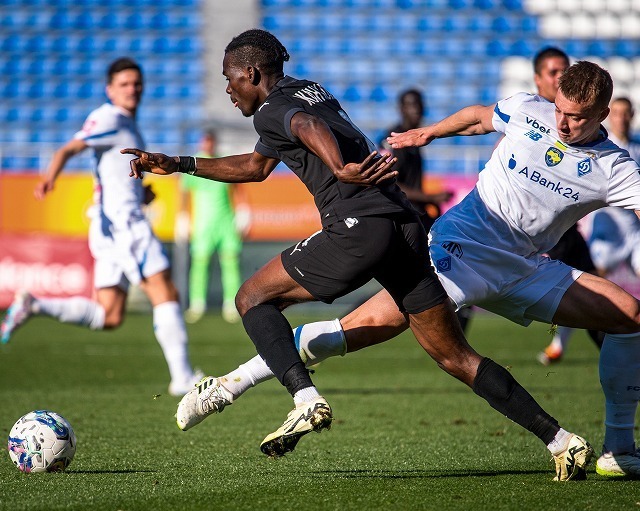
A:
272	335
495	384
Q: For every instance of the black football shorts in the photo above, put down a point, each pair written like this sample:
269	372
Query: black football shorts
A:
349	253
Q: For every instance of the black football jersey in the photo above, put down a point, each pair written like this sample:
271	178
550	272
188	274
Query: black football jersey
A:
335	200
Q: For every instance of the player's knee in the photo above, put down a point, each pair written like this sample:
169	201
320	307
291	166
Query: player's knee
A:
245	299
113	320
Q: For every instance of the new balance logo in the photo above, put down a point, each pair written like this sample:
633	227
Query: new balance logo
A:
533	135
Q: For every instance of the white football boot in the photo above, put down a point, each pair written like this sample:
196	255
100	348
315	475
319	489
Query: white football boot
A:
571	463
619	465
313	415
19	311
208	397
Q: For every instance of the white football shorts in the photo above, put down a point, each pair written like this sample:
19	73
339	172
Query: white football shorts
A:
124	256
521	289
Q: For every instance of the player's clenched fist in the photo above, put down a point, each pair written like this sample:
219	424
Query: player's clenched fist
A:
156	163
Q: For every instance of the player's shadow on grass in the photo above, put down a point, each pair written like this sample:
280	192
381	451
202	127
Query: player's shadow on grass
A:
422	391
112	471
420	474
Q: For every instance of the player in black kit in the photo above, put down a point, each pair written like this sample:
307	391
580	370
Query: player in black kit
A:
369	231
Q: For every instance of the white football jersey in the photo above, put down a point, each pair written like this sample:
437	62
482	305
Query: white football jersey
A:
107	130
534	187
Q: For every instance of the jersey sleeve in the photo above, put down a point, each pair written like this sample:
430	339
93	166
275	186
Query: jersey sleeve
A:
273	122
505	109
99	130
265	150
624	185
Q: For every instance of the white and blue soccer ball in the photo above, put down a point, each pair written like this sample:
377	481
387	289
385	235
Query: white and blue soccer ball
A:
41	441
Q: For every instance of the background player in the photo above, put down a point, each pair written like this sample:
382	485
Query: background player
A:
213	228
122	243
615	233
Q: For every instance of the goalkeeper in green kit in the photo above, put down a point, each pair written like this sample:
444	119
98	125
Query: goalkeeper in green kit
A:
213	228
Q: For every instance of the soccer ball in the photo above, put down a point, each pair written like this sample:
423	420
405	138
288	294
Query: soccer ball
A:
41	441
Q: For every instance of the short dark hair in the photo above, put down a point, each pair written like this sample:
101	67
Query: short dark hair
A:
547	53
416	94
260	49
623	99
122	64
210	133
587	83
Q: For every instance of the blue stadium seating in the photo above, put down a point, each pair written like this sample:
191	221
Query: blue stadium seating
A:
54	53
367	51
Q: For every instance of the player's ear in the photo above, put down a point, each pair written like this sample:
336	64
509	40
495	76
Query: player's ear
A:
254	75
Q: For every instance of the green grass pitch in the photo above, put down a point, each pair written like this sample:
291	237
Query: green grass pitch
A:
405	435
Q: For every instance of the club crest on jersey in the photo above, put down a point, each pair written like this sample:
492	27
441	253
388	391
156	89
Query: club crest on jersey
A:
553	157
444	264
584	167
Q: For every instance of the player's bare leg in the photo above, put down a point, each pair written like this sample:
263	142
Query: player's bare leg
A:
595	303
440	334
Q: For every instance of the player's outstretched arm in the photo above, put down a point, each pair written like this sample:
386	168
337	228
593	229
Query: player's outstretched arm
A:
472	120
156	163
239	168
56	166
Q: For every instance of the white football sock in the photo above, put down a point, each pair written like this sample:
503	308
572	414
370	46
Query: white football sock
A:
620	380
559	442
77	310
247	375
319	341
304	395
315	342
170	331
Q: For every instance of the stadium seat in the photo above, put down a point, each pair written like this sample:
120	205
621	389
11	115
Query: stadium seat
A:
353	93
60	21
84	21
380	94
523	47
485	4
630	25
12	115
497	48
61	91
513	5
599	48
627	48
583	26
540	7
11	66
161	45
159	21
108	22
